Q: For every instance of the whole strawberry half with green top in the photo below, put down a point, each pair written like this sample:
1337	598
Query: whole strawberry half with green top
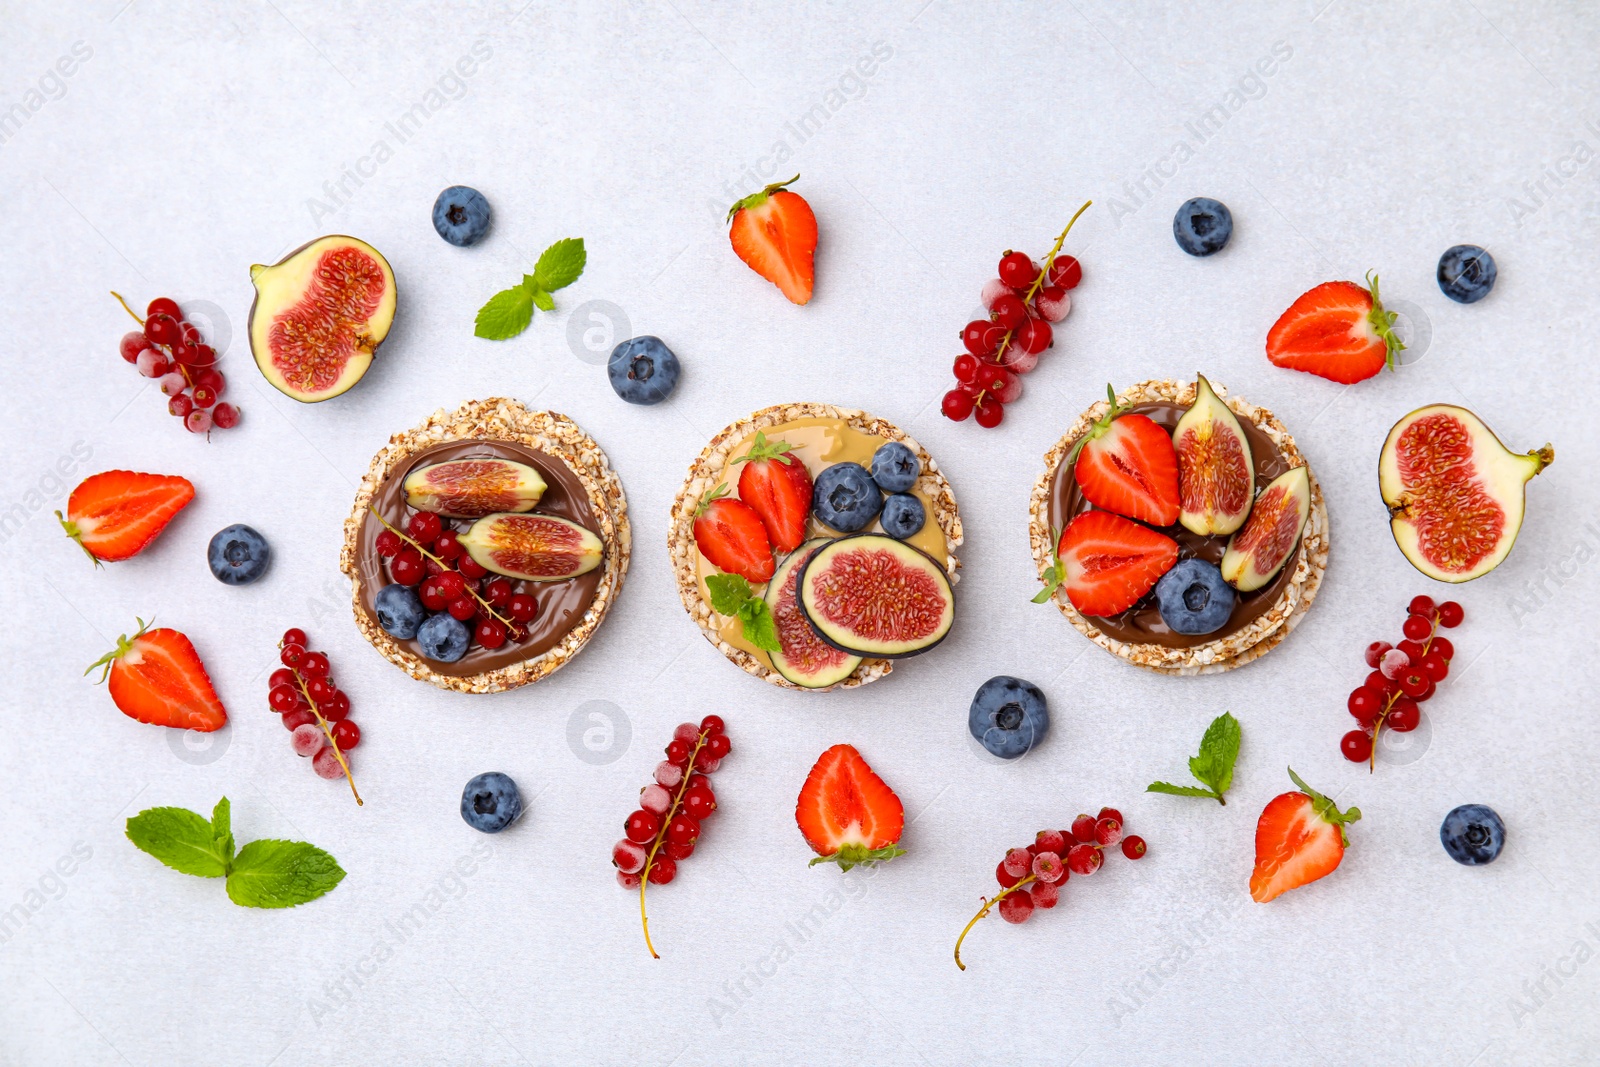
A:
156	677
775	232
777	485
1337	331
1126	464
732	536
1299	838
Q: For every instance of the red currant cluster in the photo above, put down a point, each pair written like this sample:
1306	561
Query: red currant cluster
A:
1402	676
666	825
1022	304
430	555
315	711
1031	877
172	351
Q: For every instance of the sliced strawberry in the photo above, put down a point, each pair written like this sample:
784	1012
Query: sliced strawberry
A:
777	485
1299	838
114	515
157	677
1126	464
1337	331
775	232
847	813
731	535
1106	563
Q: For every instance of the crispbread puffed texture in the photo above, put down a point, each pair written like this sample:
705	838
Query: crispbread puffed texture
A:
1239	648
707	470
501	419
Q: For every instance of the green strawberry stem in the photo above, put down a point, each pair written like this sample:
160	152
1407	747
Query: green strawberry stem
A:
757	199
1057	571
992	902
1038	283
327	731
661	836
484	604
1382	322
124	643
761	449
77	535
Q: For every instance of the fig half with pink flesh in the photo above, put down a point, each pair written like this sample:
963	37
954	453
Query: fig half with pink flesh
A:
535	548
1216	473
805	659
319	315
472	488
1456	495
871	595
1268	538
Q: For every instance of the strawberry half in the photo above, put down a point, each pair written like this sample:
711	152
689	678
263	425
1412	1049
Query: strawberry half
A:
1126	464
1299	838
846	812
1337	331
1106	563
157	677
777	485
114	515
775	232
732	536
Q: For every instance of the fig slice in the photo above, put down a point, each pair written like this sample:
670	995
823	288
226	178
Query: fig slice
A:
319	315
535	548
870	595
474	487
1216	473
1268	538
805	659
1456	495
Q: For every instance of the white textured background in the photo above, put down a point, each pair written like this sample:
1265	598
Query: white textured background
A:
195	140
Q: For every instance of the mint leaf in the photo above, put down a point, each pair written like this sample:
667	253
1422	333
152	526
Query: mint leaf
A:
1219	749
280	874
559	265
859	855
507	314
729	592
543	301
1180	790
759	628
180	839
222	831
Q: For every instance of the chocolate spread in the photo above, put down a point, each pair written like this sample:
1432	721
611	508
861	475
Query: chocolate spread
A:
561	604
1141	624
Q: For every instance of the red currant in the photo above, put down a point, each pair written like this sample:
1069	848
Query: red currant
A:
1066	272
281	676
1450	614
314	665
1133	847
497	592
1417	627
678	753
1050	841
705	762
990	413
956	405
1084	859
1416	684
699	802
491	633
225	416
1423	606
450	585
981	337
641	826
162	330
347	735
1109	813
1083	828
1016	907
1009	311
425	526
965	367
132	344
1403	716
1380	684
338	708
291	654
182	404
1017	270
1414	650
719	746
406	568
197	421
1047	867
713	724
1045	894
388	543
628	881
684	829
293	720
1365	705
448	546
677	850
197	355
1107	831
522	607
1375	652
1033	336
163	305
462	607
1435	666
293	636
428	593
470	568
319	690
1443	646
283	698
1356	746
663	870
628	857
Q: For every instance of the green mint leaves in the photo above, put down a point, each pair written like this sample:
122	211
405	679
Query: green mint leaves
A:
1213	767
263	874
509	311
731	596
857	855
1326	809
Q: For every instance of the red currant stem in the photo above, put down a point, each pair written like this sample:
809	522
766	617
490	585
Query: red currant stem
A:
181	368
1038	283
126	308
410	541
992	902
327	732
661	835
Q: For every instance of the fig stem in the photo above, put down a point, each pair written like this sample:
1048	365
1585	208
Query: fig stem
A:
1003	893
412	542
661	835
126	308
1033	290
327	731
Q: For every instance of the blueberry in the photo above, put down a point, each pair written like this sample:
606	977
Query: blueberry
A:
1466	273
461	215
902	516
490	802
1202	226
1193	597
643	370
1472	834
895	468
846	498
399	610
1008	716
443	637
238	555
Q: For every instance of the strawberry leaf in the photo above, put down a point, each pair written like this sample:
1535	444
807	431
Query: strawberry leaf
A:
1057	572
761	449
1326	809
859	855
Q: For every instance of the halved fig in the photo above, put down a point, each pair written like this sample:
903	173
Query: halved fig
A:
871	595
1216	473
1268	538
805	659
536	548
473	488
319	315
1455	493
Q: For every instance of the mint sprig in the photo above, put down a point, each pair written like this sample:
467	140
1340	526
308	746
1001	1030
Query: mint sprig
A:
859	855
1213	767
732	596
509	311
264	874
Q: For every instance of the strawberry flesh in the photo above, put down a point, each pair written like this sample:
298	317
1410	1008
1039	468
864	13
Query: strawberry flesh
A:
1329	331
775	232
115	514
779	490
1111	562
844	802
1131	468
158	678
731	535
